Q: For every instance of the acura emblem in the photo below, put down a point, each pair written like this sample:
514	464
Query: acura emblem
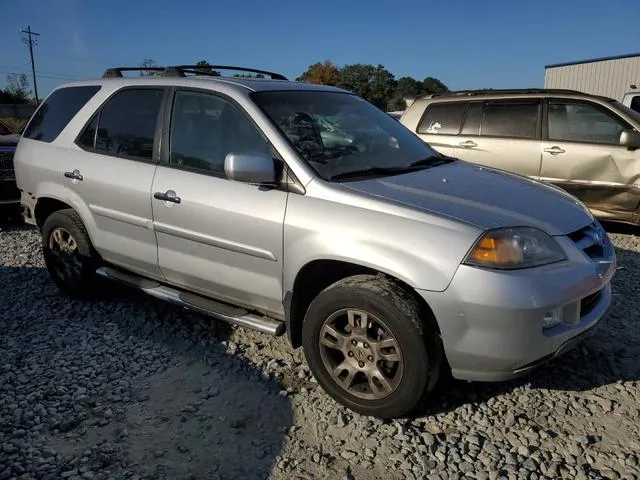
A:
598	238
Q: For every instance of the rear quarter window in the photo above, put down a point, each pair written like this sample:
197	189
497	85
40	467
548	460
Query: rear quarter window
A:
57	110
442	119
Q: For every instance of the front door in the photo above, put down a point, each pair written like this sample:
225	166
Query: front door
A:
582	154
111	174
216	236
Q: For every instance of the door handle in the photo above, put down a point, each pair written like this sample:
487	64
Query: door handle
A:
168	196
75	175
554	150
468	144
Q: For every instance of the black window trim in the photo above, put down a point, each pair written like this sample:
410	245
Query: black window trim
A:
465	104
607	111
158	134
165	141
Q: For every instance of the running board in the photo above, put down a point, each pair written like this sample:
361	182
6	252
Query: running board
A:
208	306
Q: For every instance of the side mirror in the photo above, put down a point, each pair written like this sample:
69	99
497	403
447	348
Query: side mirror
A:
630	138
256	168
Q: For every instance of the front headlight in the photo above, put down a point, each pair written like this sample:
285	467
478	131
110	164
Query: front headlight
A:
512	248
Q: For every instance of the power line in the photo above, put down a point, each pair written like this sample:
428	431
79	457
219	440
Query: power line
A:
30	41
53	75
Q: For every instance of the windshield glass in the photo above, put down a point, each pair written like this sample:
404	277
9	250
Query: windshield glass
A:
632	113
4	130
337	133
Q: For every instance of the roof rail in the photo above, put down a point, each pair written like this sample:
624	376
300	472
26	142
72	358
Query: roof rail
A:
117	71
181	70
500	91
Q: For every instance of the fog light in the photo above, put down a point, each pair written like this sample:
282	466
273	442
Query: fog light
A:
552	318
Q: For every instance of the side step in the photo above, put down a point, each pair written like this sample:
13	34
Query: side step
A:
208	306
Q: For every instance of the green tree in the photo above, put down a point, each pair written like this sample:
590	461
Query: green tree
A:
205	67
17	89
374	84
325	73
433	85
406	87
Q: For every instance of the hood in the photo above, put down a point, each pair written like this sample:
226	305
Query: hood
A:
10	140
481	196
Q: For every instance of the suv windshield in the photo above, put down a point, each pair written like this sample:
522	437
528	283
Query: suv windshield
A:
340	133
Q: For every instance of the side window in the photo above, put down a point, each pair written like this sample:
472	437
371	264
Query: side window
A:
205	128
127	123
443	118
88	136
582	122
57	110
510	119
472	122
635	103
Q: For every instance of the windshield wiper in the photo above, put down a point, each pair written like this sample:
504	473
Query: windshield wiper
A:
432	161
370	172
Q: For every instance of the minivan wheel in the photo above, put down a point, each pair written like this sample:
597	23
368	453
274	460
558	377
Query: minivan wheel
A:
372	346
69	256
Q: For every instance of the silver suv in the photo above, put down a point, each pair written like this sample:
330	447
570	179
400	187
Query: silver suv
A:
387	261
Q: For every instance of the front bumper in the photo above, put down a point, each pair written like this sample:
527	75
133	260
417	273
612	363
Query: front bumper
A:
491	322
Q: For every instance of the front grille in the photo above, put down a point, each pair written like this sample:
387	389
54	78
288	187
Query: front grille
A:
6	161
590	240
7	175
588	303
9	191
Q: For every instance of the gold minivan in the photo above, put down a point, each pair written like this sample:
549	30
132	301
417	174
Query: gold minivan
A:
588	145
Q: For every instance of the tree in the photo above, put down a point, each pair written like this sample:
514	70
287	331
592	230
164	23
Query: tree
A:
406	87
17	89
433	85
149	63
374	84
325	73
205	67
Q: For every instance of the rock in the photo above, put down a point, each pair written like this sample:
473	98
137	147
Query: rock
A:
348	454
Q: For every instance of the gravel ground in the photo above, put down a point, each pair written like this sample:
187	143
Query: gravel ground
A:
137	388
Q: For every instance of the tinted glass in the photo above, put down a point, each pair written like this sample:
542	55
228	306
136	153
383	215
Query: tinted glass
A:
442	118
88	136
510	120
127	123
635	103
582	122
472	121
337	133
4	130
205	128
56	112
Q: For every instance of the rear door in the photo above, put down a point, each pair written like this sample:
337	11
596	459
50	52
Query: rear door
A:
503	134
583	155
111	173
440	125
221	238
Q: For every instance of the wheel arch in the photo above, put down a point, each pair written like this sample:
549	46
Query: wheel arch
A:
318	274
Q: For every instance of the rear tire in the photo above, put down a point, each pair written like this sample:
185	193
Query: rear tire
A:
372	346
69	255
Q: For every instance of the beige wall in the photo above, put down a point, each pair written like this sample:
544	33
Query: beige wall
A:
608	77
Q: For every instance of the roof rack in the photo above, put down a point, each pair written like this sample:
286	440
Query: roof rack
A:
501	91
181	70
117	71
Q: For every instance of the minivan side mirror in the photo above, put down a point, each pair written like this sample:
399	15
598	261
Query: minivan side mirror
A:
257	168
630	138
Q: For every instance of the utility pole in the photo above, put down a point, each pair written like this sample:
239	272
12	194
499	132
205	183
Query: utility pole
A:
29	40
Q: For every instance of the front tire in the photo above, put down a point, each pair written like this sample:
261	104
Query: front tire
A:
372	346
69	255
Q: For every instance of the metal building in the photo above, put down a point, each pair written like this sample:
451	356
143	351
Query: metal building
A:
608	76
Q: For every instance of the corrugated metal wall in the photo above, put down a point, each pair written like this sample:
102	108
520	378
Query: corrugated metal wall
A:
608	77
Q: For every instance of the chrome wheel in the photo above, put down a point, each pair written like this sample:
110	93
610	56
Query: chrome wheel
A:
65	257
361	354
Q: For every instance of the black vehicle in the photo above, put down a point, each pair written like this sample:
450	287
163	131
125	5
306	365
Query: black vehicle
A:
9	193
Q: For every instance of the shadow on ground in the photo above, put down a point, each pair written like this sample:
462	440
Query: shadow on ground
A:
133	386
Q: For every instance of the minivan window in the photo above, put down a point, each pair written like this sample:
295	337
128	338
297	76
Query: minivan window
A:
57	110
510	119
127	123
582	122
443	118
472	121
